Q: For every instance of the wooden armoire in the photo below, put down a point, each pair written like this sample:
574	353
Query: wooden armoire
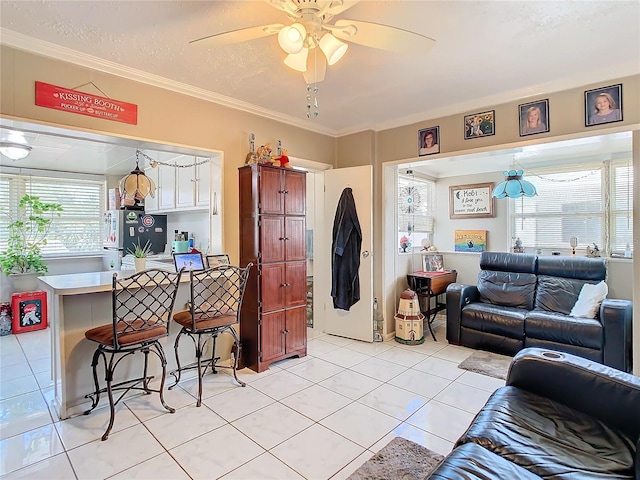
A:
272	236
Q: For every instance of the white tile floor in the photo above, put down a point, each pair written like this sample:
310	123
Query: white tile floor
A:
318	417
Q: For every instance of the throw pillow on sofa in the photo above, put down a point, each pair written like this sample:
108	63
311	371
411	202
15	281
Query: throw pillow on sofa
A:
589	300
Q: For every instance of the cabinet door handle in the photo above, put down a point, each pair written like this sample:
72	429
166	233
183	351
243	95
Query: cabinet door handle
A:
285	331
285	285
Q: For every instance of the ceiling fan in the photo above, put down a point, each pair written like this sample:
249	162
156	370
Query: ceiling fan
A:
310	30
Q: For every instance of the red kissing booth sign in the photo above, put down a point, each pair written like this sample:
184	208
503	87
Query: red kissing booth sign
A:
74	101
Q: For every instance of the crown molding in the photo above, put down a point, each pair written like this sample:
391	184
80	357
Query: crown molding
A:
600	76
40	47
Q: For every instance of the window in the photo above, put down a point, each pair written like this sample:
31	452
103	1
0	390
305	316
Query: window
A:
79	227
592	203
416	211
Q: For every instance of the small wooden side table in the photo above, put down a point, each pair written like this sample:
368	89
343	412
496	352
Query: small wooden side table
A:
428	285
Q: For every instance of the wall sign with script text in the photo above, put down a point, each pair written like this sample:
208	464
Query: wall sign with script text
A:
82	103
471	201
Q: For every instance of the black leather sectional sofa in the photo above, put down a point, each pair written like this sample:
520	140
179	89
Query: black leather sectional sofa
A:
522	300
559	416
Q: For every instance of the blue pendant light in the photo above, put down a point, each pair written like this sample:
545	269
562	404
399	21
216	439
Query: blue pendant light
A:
514	186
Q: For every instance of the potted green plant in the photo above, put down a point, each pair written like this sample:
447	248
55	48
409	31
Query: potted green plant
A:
28	232
140	255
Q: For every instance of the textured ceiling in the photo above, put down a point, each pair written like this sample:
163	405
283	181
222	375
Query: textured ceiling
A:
484	51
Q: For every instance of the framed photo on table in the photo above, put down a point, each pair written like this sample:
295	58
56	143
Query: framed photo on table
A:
433	262
534	117
603	105
217	260
429	141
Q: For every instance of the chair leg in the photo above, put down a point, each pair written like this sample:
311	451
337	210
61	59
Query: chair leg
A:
214	336
163	362
237	346
112	406
177	373
146	378
95	396
199	348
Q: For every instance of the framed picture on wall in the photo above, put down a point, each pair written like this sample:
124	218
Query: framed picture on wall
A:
534	117
603	105
471	201
428	141
479	124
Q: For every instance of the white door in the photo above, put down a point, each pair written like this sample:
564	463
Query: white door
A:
357	323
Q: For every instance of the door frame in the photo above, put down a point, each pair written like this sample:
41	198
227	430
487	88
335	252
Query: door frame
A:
316	169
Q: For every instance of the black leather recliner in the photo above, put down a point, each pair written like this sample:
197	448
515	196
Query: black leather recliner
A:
522	300
559	416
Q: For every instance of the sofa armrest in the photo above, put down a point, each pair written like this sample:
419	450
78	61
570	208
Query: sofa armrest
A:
603	392
616	317
458	295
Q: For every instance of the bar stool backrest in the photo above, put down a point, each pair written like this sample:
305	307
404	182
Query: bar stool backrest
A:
143	301
217	291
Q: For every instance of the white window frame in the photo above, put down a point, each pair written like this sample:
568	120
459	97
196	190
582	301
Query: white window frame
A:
422	219
19	185
609	242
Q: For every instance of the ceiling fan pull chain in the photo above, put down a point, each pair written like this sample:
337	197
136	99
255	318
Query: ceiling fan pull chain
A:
312	92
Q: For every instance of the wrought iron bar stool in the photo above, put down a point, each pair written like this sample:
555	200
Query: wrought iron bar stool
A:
216	298
141	307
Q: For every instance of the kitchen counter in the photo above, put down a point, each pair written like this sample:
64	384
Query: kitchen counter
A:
79	283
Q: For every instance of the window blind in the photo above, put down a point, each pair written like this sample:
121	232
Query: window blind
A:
592	203
79	227
416	209
622	206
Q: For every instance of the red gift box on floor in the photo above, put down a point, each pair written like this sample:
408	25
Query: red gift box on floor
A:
29	311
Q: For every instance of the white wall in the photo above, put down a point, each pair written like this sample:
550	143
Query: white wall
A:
58	266
497	238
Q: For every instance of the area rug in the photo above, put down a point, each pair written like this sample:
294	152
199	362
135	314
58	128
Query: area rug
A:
400	459
487	363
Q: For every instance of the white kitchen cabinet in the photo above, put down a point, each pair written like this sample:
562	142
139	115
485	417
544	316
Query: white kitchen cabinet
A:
193	184
151	203
181	188
167	188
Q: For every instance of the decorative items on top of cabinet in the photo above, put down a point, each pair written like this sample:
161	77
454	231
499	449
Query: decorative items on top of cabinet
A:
272	236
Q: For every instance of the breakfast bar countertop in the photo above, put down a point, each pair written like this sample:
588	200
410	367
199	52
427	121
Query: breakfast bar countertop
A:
79	283
90	282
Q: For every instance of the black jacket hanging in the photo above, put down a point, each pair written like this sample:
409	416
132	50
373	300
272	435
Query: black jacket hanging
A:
345	253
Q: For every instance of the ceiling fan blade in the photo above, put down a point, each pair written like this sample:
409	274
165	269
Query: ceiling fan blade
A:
316	67
237	36
380	36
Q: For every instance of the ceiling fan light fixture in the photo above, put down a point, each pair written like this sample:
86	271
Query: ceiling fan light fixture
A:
14	151
291	38
297	61
332	48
